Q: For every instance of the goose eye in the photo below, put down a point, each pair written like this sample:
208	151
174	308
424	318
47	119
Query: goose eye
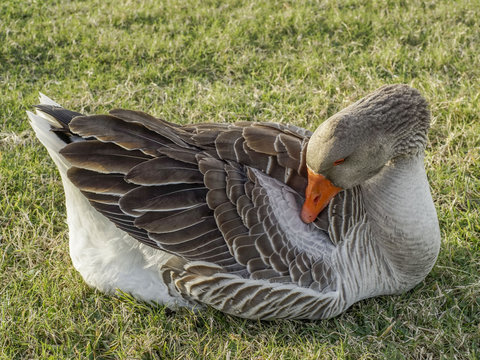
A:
338	162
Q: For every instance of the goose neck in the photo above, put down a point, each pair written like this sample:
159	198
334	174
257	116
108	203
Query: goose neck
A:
403	219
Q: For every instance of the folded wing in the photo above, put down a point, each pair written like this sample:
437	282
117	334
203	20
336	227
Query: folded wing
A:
224	197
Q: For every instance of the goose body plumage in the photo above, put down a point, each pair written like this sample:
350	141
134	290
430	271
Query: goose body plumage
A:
209	214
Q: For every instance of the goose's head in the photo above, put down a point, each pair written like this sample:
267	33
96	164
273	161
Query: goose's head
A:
354	144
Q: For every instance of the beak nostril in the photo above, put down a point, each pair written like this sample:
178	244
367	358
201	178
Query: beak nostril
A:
318	193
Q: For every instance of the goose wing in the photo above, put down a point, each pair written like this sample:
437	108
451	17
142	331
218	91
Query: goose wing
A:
226	198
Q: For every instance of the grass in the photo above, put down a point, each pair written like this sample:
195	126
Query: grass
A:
193	61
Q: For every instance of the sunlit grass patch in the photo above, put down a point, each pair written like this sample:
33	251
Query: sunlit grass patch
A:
194	61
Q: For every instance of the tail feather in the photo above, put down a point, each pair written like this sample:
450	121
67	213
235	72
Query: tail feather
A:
50	123
42	128
59	118
44	99
57	115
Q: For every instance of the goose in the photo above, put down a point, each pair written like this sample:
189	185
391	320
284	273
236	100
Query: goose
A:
259	220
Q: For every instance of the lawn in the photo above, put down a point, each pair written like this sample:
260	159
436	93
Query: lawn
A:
194	61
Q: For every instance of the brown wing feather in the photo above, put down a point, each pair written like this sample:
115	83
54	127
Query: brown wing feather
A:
189	190
163	170
107	128
102	157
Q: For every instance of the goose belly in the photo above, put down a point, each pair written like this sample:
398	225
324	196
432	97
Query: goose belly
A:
109	259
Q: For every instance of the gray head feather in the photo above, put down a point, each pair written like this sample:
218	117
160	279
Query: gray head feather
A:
391	122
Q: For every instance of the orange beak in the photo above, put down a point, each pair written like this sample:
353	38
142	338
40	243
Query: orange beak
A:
318	194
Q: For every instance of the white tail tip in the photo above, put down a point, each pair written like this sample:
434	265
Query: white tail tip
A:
44	99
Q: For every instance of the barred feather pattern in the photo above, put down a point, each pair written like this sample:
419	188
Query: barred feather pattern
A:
218	206
212	194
